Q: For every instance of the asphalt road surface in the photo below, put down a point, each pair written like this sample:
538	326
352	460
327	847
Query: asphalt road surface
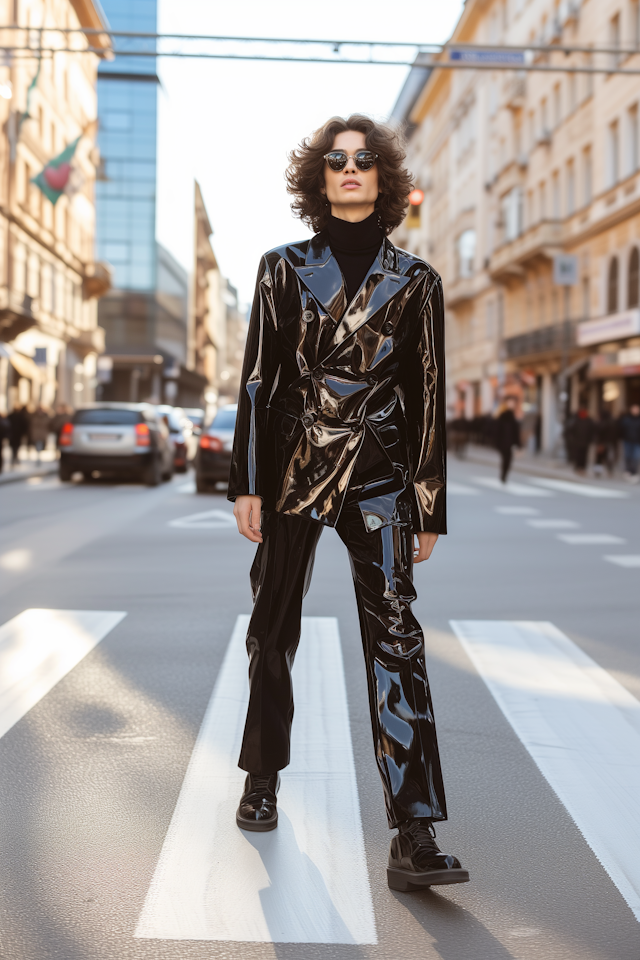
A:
122	686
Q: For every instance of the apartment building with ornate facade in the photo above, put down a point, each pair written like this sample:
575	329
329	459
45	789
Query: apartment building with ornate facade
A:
49	281
519	167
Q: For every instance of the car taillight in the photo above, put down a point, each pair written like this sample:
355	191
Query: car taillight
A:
143	437
66	435
210	443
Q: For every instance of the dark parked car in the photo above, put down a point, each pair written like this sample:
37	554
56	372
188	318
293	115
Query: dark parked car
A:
213	459
117	438
173	417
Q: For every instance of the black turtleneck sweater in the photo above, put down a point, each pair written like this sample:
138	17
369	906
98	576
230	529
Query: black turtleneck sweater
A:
354	245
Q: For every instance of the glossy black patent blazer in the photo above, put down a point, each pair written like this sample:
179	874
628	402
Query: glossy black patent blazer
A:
333	391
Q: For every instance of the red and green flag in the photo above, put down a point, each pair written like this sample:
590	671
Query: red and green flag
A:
54	178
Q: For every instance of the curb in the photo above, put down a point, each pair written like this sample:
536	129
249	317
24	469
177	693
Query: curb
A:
537	469
44	471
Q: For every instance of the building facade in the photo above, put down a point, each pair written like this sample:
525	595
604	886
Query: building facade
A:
49	281
146	314
219	328
524	172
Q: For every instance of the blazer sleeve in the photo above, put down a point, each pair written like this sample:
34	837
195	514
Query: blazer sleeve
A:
250	459
424	394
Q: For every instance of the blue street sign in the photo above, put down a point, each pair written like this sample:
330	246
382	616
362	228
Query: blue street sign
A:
515	57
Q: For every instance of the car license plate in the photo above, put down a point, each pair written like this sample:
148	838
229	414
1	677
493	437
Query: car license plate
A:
104	437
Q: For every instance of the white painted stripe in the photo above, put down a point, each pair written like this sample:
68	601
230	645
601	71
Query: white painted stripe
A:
622	560
589	539
581	727
209	520
461	489
38	648
306	881
581	489
553	524
517	511
514	489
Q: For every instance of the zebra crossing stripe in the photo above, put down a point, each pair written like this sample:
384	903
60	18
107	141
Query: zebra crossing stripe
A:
306	881
38	648
581	727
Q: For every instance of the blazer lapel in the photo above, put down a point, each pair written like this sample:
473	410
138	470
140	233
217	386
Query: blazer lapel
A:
382	282
323	277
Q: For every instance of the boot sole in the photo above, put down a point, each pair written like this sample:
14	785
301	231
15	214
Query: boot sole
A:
404	880
257	826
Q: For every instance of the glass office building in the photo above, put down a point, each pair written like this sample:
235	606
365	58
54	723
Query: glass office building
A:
145	315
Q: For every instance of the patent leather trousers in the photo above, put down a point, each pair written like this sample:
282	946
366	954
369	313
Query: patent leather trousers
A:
401	711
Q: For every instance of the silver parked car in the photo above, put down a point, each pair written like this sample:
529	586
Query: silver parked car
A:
117	438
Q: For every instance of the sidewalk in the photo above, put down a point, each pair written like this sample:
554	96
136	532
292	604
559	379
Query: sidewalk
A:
540	465
28	466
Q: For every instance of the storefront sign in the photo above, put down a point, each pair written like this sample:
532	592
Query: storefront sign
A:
612	366
614	327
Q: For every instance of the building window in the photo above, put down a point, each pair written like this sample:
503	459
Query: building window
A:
544	118
573	92
612	286
614	38
613	153
632	139
466	247
587	176
571	188
557	106
542	192
633	283
586	296
555	195
513	213
635	23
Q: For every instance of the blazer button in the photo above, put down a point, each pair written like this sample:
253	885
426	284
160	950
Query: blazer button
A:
308	316
387	329
372	379
317	373
308	420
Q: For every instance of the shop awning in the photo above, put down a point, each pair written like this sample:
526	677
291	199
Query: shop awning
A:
24	365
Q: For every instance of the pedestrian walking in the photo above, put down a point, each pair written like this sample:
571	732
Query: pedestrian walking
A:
507	435
580	433
39	429
5	430
18	427
606	435
630	434
341	423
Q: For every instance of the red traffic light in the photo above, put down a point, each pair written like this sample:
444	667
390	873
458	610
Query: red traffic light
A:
416	197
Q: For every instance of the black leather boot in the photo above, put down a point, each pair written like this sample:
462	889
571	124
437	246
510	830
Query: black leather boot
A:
258	804
415	860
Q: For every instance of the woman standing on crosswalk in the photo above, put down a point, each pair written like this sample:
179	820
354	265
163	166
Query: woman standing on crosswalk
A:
341	422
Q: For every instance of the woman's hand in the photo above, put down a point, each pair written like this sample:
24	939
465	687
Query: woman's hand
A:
247	511
424	548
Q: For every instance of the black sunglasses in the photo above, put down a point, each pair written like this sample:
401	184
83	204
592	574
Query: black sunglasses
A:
338	159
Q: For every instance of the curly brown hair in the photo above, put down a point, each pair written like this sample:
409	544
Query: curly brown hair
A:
305	173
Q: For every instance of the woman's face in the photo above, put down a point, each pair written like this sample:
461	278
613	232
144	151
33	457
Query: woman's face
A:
352	193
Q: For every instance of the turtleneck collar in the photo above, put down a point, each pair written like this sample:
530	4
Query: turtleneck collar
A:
363	236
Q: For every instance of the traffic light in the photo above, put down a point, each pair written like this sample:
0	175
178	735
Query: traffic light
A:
415	202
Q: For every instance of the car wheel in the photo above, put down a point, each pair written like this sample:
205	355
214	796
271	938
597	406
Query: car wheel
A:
151	475
65	473
201	485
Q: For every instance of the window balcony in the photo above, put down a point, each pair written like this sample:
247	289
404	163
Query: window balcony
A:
461	291
539	242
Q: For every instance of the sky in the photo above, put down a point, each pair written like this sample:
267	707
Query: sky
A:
231	125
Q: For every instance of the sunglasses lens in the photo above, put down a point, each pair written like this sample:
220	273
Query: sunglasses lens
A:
365	159
337	160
